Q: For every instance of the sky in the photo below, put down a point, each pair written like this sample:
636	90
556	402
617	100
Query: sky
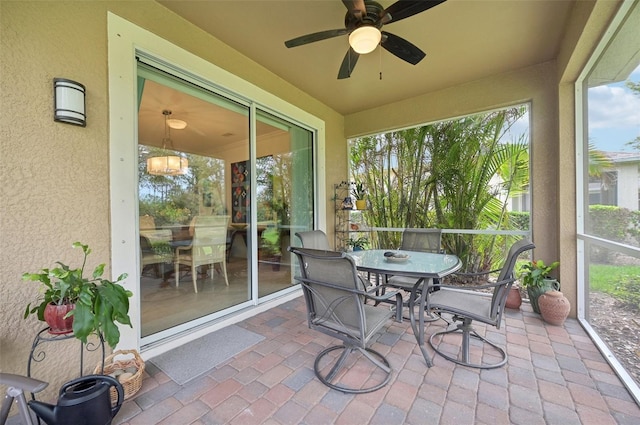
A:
614	115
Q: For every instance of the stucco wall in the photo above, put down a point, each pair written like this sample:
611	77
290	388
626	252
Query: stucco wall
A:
54	178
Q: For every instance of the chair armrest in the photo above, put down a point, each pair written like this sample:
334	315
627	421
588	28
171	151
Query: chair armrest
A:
477	273
23	382
367	294
473	287
386	297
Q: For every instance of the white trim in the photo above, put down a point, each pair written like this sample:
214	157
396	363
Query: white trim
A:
126	40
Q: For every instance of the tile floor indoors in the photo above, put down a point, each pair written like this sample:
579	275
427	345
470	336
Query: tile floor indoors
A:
555	375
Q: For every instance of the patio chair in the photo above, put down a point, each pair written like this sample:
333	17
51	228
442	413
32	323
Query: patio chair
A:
334	296
17	385
317	239
208	247
314	239
422	240
467	304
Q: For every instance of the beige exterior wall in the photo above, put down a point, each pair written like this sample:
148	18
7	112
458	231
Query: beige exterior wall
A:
54	178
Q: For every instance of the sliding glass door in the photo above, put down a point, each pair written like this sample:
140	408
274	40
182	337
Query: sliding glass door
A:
216	209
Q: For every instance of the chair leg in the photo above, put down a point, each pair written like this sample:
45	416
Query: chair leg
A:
467	332
376	358
224	272
194	277
176	268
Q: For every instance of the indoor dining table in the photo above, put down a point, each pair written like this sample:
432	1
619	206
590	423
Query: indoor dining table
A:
424	266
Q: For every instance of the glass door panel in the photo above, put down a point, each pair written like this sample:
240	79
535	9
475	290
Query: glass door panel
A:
193	263
284	197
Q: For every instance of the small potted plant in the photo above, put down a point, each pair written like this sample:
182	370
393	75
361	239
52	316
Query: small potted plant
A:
359	195
88	304
358	244
270	248
535	277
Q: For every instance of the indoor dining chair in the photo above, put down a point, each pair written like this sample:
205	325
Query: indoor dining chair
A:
208	247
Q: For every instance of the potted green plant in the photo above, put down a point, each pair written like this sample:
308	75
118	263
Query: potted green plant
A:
358	244
271	246
92	304
535	277
359	193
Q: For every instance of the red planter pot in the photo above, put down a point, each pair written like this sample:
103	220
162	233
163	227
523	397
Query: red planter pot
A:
514	299
54	316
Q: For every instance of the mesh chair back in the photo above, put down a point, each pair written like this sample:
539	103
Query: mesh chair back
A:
209	238
314	239
329	280
423	240
507	273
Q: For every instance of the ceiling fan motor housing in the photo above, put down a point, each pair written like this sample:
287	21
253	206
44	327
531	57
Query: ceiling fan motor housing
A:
372	18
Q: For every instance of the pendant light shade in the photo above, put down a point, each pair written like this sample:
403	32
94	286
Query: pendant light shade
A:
169	164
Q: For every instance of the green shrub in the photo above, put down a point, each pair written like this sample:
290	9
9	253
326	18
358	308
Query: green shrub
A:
628	291
519	220
609	222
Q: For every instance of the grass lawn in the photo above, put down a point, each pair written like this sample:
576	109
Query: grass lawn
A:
622	282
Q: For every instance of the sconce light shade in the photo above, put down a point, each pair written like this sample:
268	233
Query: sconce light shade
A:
365	39
69	102
170	165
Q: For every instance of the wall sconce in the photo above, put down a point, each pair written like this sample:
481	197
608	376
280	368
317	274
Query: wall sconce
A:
69	102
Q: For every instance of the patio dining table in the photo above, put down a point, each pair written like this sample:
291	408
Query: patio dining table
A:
424	266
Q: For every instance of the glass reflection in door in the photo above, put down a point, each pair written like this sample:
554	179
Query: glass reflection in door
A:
284	197
191	265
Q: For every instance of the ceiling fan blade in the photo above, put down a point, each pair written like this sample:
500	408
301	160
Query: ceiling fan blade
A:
348	63
404	9
401	48
355	7
316	36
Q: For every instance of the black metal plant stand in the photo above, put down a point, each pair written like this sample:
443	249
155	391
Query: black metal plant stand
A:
38	353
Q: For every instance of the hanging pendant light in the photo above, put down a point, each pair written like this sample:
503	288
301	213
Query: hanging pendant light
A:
168	165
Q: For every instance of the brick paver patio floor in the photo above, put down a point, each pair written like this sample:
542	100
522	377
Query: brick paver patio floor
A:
555	375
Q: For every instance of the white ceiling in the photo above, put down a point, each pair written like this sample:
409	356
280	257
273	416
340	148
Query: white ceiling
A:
464	40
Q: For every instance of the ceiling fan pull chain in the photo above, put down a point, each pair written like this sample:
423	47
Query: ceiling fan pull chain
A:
380	50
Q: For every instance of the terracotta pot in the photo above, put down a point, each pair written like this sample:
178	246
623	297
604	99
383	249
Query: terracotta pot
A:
54	316
554	307
535	292
514	299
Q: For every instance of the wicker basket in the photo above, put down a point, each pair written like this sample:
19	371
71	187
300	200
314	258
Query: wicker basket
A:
131	385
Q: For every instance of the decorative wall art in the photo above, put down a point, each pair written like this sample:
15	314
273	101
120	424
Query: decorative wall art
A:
240	191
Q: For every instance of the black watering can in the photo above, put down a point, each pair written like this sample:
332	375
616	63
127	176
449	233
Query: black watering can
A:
83	401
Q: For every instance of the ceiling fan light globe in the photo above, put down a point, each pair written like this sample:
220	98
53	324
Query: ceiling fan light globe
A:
365	39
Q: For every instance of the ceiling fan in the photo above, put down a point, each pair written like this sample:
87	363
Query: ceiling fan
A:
363	23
